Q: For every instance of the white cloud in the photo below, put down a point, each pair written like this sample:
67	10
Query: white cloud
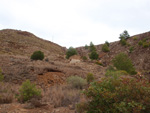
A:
76	22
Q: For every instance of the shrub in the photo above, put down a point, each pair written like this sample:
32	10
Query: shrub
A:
70	52
131	49
117	95
140	43
28	91
84	58
124	35
86	46
89	78
93	55
107	43
123	42
105	48
122	62
76	82
37	55
145	44
134	38
1	76
92	47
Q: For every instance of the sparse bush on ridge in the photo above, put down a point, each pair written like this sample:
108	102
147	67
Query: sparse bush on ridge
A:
125	35
70	52
145	44
76	82
117	95
105	48
107	43
92	47
93	55
123	42
37	55
86	46
28	91
140	43
122	62
131	49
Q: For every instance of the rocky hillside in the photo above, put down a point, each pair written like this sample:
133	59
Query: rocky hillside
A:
139	53
16	49
16	42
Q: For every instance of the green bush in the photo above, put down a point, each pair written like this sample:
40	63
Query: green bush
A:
89	78
1	76
131	49
70	52
84	58
122	62
86	46
92	47
134	38
76	82
123	42
93	55
28	91
117	95
107	43
145	44
125	35
140	43
105	48
37	55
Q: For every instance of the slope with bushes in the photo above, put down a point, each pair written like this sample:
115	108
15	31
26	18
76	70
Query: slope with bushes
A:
16	42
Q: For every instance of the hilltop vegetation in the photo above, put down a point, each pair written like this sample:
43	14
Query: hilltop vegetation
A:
16	42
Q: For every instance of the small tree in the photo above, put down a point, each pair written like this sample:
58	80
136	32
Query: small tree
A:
93	55
124	35
37	55
28	91
105	48
107	43
86	46
70	52
92	47
122	62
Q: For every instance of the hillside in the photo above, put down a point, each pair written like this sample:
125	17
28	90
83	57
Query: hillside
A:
51	74
16	42
139	55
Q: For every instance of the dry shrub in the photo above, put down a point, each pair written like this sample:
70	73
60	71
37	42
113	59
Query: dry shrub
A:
7	92
61	96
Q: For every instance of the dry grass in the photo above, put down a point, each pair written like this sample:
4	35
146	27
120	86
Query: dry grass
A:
7	92
61	96
25	43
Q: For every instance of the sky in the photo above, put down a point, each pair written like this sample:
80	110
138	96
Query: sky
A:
76	22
